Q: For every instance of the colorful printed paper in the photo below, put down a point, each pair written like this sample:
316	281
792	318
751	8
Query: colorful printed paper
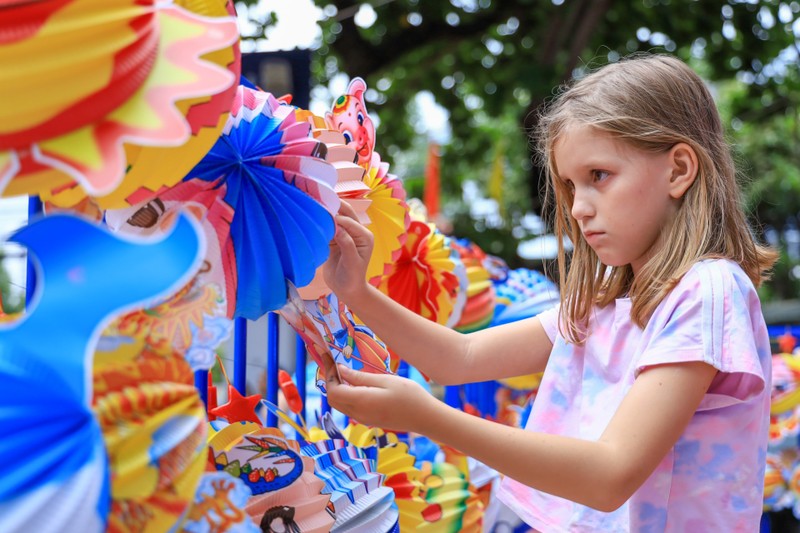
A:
68	107
84	274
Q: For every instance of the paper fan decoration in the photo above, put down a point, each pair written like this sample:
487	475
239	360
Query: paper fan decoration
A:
388	211
358	497
286	493
266	201
523	293
447	488
177	323
460	272
82	77
297	316
389	218
350	186
154	428
402	476
479	307
350	343
423	278
84	274
219	506
151	168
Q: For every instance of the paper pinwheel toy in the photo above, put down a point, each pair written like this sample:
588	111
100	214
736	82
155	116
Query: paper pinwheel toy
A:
479	308
360	500
387	210
522	294
389	218
460	507
286	495
84	274
402	476
423	278
81	77
154	428
266	200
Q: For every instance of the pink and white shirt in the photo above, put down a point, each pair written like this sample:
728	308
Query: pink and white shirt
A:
713	478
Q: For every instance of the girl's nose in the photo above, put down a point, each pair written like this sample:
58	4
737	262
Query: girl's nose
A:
581	206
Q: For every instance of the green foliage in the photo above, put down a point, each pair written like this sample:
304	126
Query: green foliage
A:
492	64
12	302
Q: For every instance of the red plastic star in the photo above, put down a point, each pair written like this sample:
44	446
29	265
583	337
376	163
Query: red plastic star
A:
238	408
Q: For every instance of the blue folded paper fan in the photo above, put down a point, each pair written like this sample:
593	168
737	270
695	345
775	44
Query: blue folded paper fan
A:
273	176
54	475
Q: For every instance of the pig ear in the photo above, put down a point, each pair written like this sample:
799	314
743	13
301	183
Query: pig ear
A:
329	121
357	87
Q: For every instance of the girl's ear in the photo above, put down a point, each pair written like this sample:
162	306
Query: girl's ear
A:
684	169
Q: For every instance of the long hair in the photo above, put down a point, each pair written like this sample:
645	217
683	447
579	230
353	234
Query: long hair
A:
651	102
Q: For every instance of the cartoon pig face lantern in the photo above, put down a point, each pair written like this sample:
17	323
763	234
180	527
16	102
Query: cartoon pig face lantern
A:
349	116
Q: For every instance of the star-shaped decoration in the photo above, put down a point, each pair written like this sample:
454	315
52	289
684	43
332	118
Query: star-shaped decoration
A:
238	408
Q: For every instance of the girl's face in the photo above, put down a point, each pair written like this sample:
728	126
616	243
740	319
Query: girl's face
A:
620	194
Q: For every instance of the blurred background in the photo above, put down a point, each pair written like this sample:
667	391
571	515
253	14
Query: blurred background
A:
462	80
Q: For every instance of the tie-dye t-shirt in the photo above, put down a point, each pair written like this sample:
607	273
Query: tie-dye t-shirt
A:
713	478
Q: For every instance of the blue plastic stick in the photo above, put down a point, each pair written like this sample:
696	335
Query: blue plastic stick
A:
272	366
201	383
35	208
452	396
300	372
240	354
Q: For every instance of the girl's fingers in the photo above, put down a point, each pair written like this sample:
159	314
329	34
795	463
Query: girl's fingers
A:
362	379
360	234
347	210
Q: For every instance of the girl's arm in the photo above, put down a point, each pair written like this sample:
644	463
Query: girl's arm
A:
446	356
601	474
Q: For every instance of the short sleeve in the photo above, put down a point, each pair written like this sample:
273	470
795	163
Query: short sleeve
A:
549	321
713	315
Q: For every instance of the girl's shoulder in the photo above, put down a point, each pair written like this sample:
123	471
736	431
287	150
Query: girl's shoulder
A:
715	275
712	292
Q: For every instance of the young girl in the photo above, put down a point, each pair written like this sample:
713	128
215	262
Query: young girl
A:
653	411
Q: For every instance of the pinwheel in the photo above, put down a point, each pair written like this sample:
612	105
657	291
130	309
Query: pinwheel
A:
423	279
82	77
523	293
402	476
389	218
83	275
154	428
479	307
265	199
350	186
285	490
359	499
447	487
387	211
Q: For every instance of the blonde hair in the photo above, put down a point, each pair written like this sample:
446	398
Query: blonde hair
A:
651	102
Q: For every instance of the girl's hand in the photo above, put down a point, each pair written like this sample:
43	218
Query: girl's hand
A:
345	270
381	400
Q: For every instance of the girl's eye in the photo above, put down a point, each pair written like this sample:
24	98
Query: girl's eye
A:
599	175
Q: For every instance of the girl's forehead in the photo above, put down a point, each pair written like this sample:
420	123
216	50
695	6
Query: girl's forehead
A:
582	141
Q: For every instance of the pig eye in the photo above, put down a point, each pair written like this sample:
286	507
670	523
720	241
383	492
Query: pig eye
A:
348	137
360	118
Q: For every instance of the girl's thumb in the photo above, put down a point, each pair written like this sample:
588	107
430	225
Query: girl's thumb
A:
356	378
